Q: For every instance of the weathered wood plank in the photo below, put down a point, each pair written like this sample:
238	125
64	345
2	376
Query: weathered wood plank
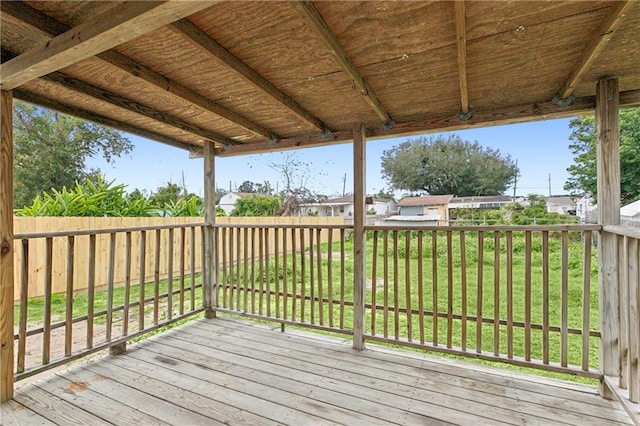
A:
359	240
6	245
13	413
461	43
209	296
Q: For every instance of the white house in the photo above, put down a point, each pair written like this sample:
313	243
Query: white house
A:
483	202
586	209
343	206
562	204
630	214
228	201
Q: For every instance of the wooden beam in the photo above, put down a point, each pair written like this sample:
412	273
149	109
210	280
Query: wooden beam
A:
608	165
596	44
461	44
109	29
52	27
500	116
318	25
359	240
209	295
6	245
99	119
210	46
138	108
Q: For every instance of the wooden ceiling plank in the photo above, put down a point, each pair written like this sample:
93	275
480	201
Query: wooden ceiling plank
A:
32	98
52	27
319	27
122	102
461	43
597	43
203	41
119	25
500	116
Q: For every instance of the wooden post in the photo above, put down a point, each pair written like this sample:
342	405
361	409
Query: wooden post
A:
208	284
6	245
359	275
608	154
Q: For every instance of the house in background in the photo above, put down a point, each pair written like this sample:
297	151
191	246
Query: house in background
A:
630	214
586	209
431	210
562	204
483	202
343	206
228	201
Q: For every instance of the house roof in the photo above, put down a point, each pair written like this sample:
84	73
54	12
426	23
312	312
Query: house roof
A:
561	200
265	76
630	210
431	200
482	199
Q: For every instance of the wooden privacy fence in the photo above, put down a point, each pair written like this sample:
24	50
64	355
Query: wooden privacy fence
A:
46	225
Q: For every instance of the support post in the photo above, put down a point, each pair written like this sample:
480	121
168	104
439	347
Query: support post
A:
6	245
209	277
359	212
608	164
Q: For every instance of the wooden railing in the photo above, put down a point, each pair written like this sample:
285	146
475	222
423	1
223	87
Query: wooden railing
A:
87	316
296	274
525	295
627	385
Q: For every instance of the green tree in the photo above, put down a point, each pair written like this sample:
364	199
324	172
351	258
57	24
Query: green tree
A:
583	173
257	205
448	166
51	149
256	188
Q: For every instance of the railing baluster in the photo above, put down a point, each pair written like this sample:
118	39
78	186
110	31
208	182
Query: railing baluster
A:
509	242
142	280
245	249
622	254
225	266
634	318
374	278
527	296
253	270
203	265
303	290
564	333
183	244
396	308
239	262
170	276
342	278
496	293
110	283
545	297
156	278
24	297
91	288
463	284
586	298
285	289
48	282
127	284
319	263
636	397
266	271
407	283
449	289
312	290
479	292
68	329
276	268
192	269
434	285
330	274
385	263
421	286
294	275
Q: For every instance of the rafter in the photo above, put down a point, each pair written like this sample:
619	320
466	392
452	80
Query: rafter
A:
136	107
119	25
52	27
506	115
461	43
207	44
318	25
599	40
32	98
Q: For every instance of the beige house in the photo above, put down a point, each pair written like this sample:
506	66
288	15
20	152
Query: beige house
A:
432	208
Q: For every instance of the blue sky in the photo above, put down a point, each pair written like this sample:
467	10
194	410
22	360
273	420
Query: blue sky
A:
541	148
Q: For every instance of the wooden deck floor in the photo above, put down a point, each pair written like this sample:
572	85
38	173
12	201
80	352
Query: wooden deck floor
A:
237	372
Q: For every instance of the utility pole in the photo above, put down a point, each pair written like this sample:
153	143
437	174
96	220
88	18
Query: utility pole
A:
549	184
344	184
515	182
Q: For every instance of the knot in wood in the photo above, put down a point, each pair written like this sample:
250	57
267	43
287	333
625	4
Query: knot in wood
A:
5	248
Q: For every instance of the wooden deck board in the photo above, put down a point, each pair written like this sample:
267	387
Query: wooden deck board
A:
237	372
